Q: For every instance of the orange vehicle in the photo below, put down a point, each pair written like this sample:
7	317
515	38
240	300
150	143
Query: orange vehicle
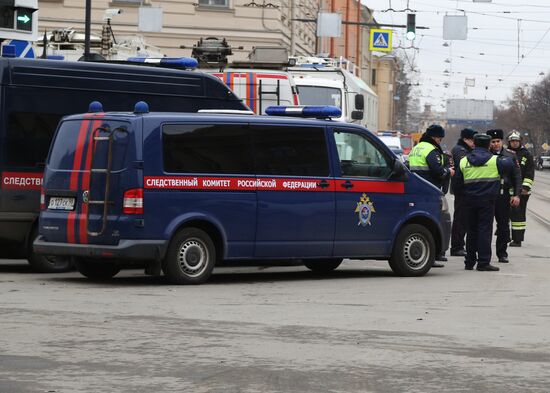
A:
416	138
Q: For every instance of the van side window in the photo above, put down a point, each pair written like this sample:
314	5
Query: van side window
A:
290	151
359	156
28	136
207	148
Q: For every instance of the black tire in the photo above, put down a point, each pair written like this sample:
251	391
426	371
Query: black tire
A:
190	258
323	265
96	270
413	252
47	263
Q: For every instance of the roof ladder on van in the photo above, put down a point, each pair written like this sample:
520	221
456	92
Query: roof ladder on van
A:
262	93
108	136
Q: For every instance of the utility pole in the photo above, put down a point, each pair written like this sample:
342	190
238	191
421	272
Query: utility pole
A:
87	27
292	29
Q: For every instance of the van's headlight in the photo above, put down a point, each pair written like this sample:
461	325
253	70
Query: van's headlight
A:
444	204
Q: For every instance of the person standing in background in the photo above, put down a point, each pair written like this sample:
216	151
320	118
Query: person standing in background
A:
427	161
509	195
464	145
478	178
518	215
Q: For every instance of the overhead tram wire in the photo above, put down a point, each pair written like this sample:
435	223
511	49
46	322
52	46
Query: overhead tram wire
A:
485	14
504	4
527	55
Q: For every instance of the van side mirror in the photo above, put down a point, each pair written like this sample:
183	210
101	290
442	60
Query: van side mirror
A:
359	102
356	115
398	172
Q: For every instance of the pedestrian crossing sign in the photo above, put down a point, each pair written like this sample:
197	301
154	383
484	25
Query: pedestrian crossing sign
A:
380	40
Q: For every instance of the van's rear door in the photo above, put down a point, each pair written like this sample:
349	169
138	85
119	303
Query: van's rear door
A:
88	169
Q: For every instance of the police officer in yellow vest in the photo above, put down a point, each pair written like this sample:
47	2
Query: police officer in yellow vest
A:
426	159
478	178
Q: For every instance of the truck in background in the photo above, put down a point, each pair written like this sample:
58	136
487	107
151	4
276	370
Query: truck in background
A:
260	81
322	81
392	139
406	143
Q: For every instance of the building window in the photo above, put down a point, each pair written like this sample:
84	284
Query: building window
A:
374	77
214	3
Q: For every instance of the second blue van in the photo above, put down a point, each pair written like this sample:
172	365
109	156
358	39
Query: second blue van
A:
182	192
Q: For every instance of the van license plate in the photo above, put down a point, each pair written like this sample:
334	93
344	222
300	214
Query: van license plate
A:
57	203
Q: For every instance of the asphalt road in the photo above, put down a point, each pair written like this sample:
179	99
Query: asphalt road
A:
274	329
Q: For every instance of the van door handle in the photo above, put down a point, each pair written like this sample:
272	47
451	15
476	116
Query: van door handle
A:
347	185
323	184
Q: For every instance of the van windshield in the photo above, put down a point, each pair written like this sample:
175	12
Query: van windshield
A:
72	137
313	95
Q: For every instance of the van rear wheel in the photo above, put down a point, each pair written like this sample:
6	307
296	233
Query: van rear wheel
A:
190	258
95	269
46	263
323	265
413	252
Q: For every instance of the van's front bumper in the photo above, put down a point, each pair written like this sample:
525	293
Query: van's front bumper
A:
125	249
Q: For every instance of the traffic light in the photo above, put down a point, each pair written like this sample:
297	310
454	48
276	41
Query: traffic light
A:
18	20
24	19
411	26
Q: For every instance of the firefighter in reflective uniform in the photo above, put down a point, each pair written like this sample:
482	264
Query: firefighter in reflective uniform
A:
478	178
510	190
426	159
527	166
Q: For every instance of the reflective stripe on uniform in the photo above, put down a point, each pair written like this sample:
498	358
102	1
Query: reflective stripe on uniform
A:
519	225
527	182
486	173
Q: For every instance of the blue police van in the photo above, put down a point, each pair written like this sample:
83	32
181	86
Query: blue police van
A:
36	94
183	192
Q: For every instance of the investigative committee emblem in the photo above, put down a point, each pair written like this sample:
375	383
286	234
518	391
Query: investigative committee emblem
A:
365	209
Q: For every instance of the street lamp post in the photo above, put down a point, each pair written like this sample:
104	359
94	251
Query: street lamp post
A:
87	27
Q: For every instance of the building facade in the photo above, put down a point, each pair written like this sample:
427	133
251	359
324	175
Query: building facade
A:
244	23
383	79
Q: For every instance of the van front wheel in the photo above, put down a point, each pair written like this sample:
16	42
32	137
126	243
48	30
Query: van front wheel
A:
190	258
96	270
413	252
322	265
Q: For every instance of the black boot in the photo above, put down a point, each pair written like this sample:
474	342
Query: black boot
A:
487	268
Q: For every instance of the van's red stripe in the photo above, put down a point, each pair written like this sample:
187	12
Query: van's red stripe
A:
83	229
73	185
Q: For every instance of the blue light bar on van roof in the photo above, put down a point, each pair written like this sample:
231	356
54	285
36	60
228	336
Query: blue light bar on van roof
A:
185	62
304	111
9	51
95	107
141	107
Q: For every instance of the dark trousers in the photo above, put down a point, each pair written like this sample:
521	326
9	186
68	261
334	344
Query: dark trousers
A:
458	230
518	219
502	217
479	217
